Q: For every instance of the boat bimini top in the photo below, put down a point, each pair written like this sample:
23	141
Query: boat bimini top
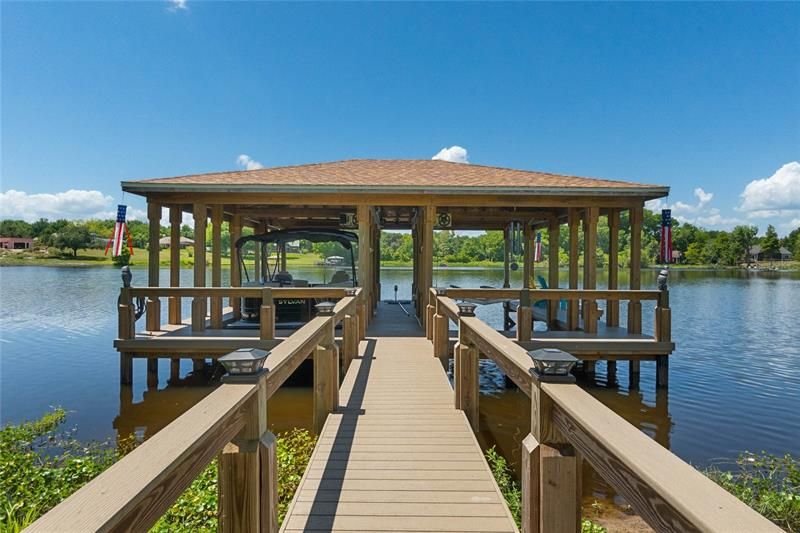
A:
276	240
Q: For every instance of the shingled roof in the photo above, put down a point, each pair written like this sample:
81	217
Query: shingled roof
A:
377	175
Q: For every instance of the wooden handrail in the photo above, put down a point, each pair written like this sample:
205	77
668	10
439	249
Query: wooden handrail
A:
667	492
238	292
133	493
558	294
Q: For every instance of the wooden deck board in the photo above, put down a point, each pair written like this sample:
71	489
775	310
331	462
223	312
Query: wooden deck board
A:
394	457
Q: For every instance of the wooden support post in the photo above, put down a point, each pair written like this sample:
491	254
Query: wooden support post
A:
174	303
612	306
506	258
441	337
633	374
524	316
125	368
427	257
153	305
216	264
349	341
527	256
126	329
247	493
326	380
465	380
589	368
174	370
554	237
236	275
662	371
364	215
257	255
550	473
198	302
361	313
152	373
611	373
267	314
573	220
635	307
590	313
430	310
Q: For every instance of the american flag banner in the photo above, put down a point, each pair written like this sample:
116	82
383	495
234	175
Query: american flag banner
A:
537	250
666	236
120	232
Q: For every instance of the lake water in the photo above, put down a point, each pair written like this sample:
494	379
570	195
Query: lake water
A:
734	377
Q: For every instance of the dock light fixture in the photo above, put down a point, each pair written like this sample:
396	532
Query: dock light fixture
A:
553	365
325	308
466	309
350	291
244	361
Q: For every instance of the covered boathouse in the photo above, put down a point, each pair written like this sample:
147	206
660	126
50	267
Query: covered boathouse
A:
396	447
421	196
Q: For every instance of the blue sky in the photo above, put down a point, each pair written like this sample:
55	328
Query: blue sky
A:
702	97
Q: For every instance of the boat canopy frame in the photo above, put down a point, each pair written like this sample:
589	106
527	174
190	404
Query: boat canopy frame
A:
280	237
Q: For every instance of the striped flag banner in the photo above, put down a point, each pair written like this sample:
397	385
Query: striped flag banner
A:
666	236
537	251
120	233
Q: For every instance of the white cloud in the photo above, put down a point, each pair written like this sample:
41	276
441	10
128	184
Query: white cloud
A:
175	5
701	213
778	195
454	154
72	204
248	163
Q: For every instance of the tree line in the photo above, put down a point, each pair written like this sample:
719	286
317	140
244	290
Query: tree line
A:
697	246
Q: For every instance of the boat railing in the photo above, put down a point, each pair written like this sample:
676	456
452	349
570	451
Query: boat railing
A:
569	425
231	424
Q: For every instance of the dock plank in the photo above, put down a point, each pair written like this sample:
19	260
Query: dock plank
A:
396	457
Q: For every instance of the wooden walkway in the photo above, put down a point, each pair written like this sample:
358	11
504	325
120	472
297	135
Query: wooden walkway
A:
397	455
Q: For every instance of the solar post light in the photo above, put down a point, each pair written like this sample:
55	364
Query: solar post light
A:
351	291
244	363
552	365
325	308
466	309
441	291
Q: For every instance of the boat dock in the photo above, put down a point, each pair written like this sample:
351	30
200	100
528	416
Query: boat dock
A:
393	459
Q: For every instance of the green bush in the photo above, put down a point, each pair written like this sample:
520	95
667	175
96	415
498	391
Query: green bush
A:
513	494
41	464
768	483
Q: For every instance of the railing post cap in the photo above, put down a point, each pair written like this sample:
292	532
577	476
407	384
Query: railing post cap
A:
551	365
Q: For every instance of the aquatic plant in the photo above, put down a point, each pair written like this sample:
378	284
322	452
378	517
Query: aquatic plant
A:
41	464
513	494
768	483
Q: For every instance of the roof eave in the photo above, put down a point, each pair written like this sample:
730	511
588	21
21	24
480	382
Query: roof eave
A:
138	187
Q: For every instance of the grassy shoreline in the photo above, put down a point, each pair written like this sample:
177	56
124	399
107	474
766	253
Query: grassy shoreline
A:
95	257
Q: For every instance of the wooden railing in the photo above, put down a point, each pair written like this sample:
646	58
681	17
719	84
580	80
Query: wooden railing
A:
569	425
230	423
200	295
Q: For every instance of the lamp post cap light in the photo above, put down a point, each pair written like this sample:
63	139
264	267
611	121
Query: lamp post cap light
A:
244	361
466	309
350	291
325	308
553	365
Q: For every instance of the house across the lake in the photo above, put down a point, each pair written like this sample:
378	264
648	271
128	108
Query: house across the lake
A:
16	243
183	242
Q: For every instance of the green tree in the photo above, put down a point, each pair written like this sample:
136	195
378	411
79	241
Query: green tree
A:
74	237
769	244
743	238
696	253
15	228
